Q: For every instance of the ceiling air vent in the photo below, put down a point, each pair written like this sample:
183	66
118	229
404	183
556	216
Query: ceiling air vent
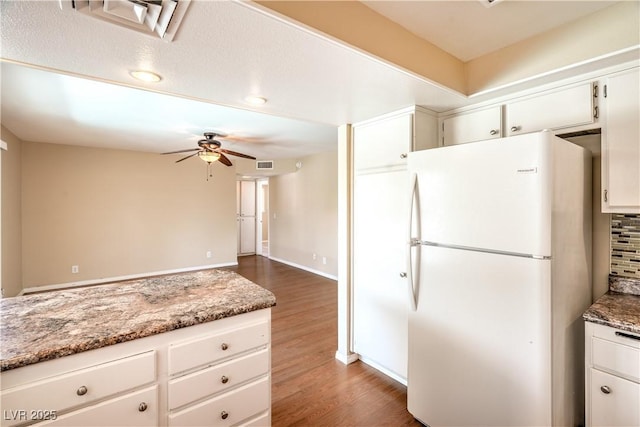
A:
489	3
264	165
157	18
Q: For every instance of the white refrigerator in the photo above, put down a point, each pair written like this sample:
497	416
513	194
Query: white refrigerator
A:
499	267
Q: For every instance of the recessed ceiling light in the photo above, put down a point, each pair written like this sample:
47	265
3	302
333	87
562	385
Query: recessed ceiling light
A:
255	100
145	76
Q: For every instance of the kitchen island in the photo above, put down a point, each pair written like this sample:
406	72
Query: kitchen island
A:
612	355
182	349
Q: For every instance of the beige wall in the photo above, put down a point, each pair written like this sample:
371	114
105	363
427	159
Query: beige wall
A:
612	29
11	215
118	213
305	205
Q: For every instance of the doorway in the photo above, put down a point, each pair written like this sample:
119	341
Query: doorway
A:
262	229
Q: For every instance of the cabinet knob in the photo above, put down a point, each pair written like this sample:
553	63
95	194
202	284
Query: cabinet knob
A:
494	132
403	274
605	389
403	155
224	346
224	415
82	391
224	379
515	128
142	407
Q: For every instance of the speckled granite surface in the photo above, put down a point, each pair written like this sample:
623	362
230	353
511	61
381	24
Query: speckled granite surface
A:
39	327
618	308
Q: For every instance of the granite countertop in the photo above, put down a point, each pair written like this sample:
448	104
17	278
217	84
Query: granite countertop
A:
618	308
45	326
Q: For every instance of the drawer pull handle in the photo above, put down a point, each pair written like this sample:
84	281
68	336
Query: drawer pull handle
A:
224	379
632	337
605	389
82	391
224	346
142	407
224	415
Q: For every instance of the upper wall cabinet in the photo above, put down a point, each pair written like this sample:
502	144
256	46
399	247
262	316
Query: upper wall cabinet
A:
621	143
384	143
473	126
559	109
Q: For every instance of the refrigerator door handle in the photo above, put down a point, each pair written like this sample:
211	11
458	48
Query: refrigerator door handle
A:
412	243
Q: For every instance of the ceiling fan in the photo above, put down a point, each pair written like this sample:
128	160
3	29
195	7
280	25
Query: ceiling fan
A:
211	150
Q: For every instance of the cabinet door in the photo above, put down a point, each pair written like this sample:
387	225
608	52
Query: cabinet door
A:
621	144
247	198
559	109
614	401
473	126
384	143
380	294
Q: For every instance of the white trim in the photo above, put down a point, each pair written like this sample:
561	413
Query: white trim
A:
3	145
120	278
304	267
347	359
385	371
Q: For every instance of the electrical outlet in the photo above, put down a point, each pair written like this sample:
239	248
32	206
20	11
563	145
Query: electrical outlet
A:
75	269
324	260
315	256
208	254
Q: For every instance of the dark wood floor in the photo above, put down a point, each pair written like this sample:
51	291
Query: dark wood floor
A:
309	386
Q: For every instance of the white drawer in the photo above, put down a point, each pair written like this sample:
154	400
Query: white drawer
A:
80	387
616	335
209	349
200	384
614	401
263	420
134	409
228	409
616	358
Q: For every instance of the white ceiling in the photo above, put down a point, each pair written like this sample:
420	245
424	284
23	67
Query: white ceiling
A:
76	88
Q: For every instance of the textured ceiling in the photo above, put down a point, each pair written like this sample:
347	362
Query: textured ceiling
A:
65	78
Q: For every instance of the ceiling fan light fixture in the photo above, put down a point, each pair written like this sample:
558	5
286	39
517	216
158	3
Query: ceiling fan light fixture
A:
145	76
209	156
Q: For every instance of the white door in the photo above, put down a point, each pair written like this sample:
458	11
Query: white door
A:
473	126
380	294
247	217
490	194
479	341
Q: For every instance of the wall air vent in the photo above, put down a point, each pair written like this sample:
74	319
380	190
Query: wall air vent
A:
264	165
157	18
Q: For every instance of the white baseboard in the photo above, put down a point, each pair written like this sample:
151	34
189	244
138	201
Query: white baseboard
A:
385	371
304	267
120	278
346	358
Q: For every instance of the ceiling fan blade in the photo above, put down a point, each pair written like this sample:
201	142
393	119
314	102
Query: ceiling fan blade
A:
190	155
224	160
235	153
181	151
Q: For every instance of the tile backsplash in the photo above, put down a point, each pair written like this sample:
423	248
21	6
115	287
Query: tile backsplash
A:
625	245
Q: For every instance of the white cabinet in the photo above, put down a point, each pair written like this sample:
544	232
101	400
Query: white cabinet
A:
246	216
621	143
612	369
152	381
385	142
557	109
380	293
473	126
380	213
229	370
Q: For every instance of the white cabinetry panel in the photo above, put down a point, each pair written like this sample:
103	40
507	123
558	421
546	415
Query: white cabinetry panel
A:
472	126
621	144
383	144
555	110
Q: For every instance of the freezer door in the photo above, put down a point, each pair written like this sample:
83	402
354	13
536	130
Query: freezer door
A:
479	342
492	194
